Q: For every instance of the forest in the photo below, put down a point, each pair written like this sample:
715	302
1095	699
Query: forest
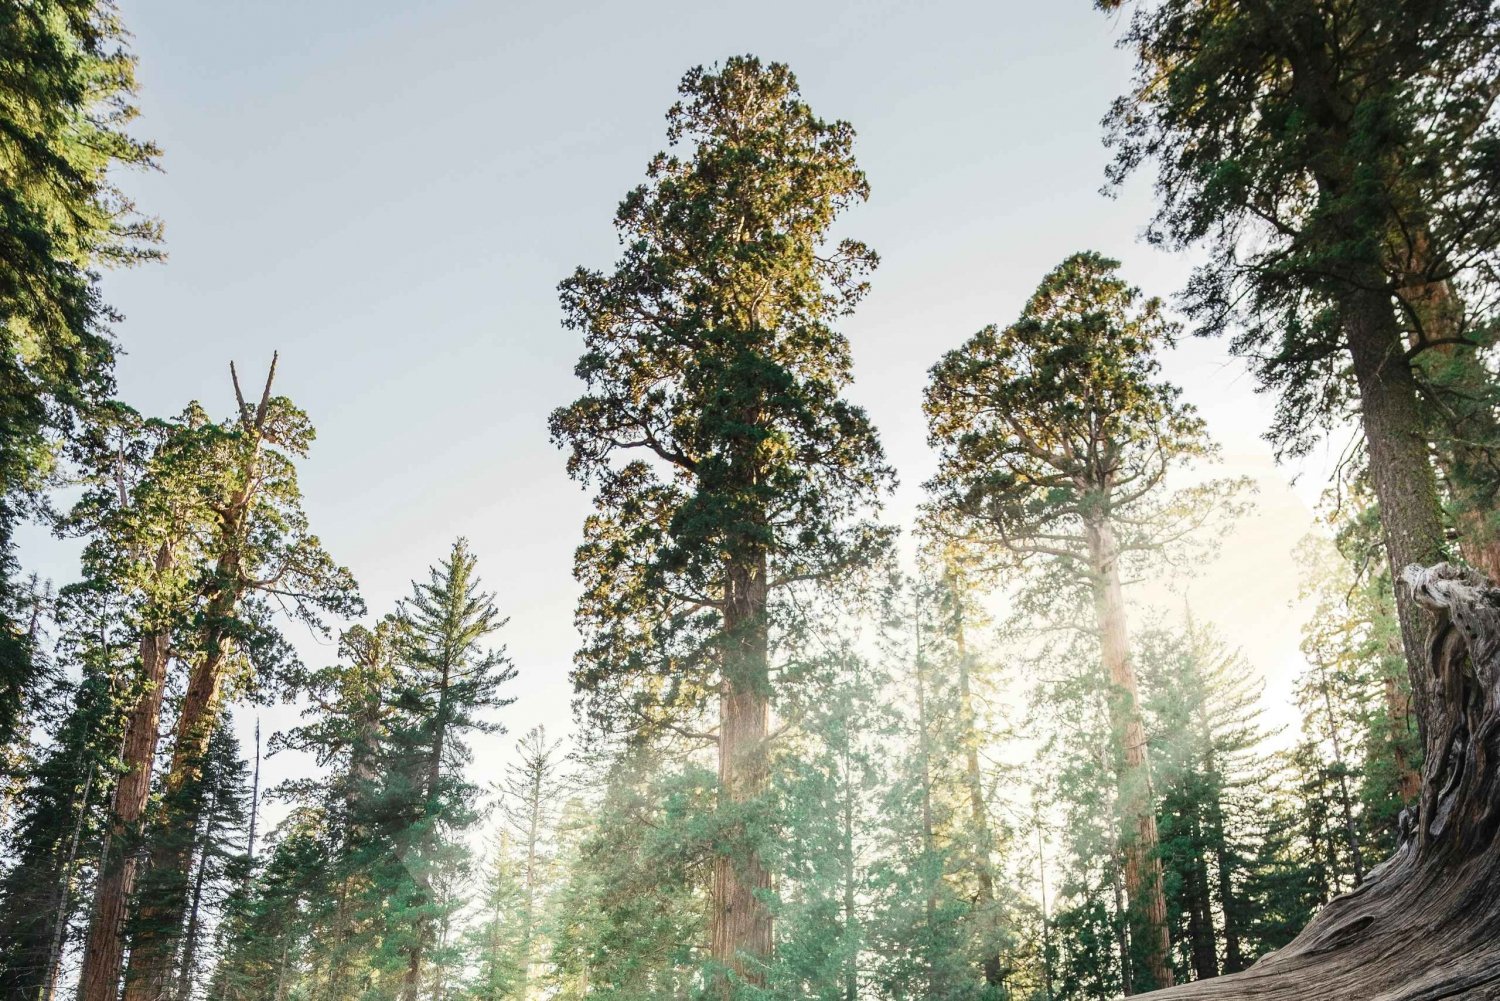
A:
816	753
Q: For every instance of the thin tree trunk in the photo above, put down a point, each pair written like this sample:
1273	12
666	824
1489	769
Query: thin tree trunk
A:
533	834
741	918
851	915
1143	873
979	816
1204	939
254	798
412	982
104	948
924	744
190	935
1346	804
1041	872
65	893
1122	931
1234	959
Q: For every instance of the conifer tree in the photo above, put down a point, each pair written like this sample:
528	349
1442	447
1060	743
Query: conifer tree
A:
347	722
218	848
501	941
66	102
257	548
1055	438
55	841
829	778
531	796
726	462
448	683
1200	702
629	920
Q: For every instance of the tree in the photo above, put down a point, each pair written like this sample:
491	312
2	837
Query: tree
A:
144	512
58	833
531	796
925	935
447	683
1055	438
68	85
218	847
629	920
1200	704
709	353
347	727
259	558
829	781
1337	160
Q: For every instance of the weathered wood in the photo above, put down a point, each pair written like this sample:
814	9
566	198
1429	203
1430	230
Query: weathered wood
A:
1425	924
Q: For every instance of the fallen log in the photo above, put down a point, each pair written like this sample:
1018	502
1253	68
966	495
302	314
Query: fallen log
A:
1425	924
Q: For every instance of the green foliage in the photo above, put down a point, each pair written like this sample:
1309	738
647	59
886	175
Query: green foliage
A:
713	426
66	90
630	919
54	842
1060	421
1317	149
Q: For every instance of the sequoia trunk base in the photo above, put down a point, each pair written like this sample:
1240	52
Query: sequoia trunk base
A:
1425	924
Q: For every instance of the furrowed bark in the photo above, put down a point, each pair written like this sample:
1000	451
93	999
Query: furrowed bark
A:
1437	315
104	948
147	977
741	918
1399	461
1422	926
1143	873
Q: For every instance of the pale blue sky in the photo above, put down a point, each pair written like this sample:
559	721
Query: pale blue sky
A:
388	194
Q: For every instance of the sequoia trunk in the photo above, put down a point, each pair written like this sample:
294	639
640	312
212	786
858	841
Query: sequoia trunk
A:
1143	873
741	919
104	948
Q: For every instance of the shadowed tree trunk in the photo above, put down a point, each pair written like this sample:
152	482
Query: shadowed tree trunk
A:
1422	926
104	949
741	926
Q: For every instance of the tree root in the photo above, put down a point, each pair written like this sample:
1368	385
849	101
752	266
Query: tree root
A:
1425	924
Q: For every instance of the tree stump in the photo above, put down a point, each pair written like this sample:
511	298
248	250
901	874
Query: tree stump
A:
1425	924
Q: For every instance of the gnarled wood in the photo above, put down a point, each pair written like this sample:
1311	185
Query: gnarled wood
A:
1425	924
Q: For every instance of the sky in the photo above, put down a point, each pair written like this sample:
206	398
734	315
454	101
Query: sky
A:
388	194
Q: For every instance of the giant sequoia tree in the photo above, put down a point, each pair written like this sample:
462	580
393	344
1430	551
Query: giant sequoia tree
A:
727	464
1055	437
1339	161
229	508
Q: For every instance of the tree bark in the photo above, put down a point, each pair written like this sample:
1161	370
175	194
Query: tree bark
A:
1437	313
1139	843
1422	926
151	952
1399	461
741	919
104	948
